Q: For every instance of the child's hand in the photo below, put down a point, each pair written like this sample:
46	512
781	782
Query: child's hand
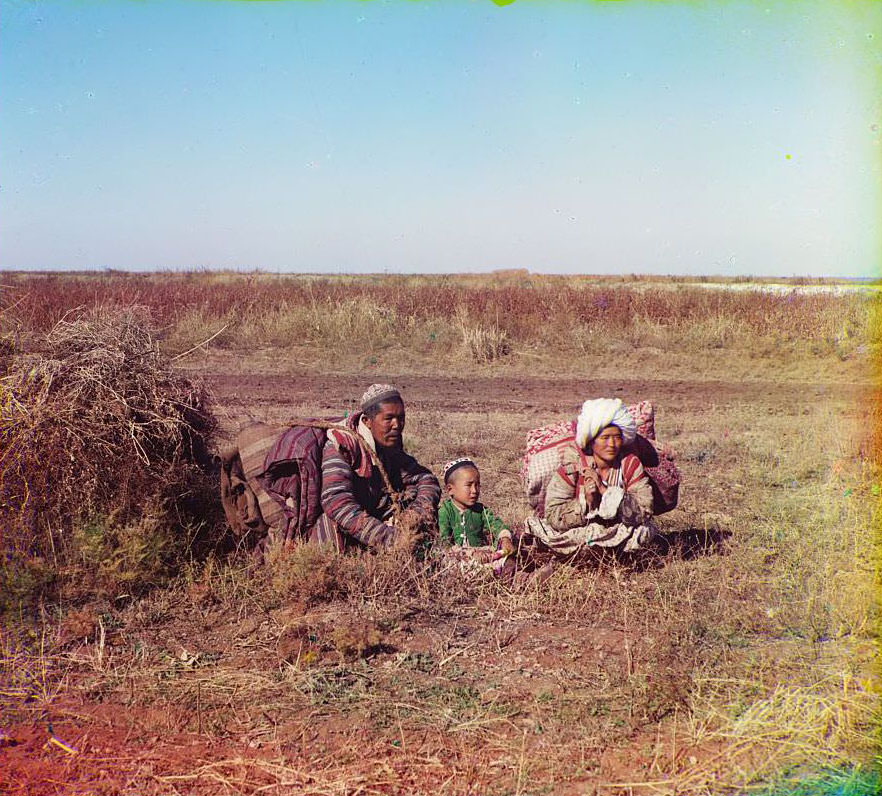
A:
506	548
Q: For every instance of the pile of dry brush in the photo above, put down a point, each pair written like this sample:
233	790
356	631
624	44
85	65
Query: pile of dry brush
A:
104	477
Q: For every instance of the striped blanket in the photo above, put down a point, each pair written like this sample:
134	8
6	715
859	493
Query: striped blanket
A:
271	480
247	506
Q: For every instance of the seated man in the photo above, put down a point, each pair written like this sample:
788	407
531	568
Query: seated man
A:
357	506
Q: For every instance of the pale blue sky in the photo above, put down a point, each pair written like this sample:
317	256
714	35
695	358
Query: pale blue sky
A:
454	135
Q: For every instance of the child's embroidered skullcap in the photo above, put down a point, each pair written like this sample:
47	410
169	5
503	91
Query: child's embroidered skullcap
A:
455	464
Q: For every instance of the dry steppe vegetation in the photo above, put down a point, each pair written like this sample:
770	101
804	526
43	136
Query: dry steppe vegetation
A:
739	657
408	322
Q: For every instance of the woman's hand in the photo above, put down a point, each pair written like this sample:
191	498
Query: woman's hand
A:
595	474
593	488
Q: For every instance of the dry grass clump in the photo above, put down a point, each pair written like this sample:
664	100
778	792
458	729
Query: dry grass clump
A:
310	575
345	639
825	726
483	343
103	454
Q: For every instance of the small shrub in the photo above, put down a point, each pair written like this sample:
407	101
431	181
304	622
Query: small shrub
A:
21	577
309	574
114	557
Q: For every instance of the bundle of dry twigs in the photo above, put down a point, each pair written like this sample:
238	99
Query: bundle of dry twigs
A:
96	424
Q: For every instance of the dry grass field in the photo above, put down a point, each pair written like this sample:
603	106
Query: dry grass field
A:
738	657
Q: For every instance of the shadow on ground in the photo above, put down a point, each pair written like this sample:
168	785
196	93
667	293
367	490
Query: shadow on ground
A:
685	544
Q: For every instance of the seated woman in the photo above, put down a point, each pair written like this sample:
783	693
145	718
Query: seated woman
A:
598	497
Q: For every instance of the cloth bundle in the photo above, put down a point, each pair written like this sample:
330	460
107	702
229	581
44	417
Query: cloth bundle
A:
247	506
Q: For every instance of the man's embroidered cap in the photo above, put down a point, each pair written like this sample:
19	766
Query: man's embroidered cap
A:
377	393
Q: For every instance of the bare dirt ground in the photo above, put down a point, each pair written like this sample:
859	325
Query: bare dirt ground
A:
451	394
471	703
530	400
121	747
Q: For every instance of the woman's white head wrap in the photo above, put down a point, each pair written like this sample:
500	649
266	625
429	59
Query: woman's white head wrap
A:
597	414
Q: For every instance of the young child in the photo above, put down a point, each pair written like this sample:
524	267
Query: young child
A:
466	523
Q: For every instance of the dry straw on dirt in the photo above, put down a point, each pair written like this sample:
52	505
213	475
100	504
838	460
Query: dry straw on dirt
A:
103	448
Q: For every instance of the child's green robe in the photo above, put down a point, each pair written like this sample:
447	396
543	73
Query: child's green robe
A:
474	527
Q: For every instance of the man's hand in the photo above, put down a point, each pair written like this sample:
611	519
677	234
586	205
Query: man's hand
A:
405	541
407	531
407	520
